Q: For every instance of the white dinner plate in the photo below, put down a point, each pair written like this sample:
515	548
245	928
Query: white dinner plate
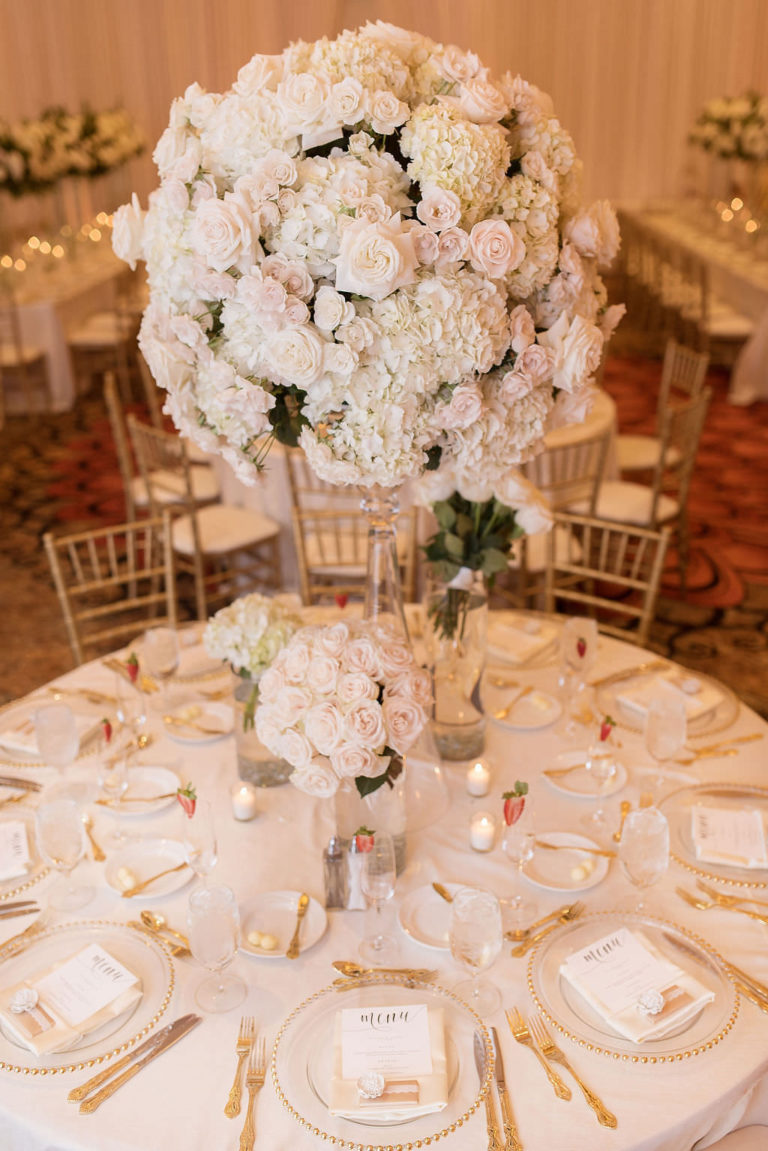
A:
579	784
273	913
426	916
139	861
146	782
568	870
536	709
218	717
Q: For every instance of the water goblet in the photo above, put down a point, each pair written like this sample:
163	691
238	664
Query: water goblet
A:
377	881
475	940
161	656
112	778
56	733
199	840
602	766
213	920
61	842
665	731
644	849
519	845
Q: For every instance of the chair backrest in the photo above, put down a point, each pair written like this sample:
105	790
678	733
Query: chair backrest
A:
113	582
570	473
681	427
331	536
151	393
164	466
683	373
120	436
608	570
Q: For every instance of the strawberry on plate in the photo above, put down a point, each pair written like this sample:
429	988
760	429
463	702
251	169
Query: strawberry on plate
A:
364	838
606	727
514	802
187	797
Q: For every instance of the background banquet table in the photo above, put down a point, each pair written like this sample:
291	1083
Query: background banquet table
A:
181	1096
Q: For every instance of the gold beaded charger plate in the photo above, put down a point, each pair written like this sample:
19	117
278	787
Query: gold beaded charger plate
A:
20	717
731	796
141	953
610	689
571	1015
302	1063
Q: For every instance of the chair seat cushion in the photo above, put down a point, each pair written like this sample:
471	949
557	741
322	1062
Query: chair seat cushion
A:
223	528
11	357
641	453
168	487
629	503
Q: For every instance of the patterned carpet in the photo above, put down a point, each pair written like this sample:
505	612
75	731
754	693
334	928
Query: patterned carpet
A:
60	471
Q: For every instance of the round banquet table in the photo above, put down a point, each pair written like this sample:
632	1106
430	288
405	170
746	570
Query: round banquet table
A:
179	1099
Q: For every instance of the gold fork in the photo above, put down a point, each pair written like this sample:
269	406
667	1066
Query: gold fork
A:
254	1081
517	1026
728	900
572	912
245	1038
691	899
551	1051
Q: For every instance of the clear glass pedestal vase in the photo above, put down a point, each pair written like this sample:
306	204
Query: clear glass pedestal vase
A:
382	810
255	762
456	636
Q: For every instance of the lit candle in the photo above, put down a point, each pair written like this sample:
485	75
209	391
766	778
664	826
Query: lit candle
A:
244	804
482	830
478	779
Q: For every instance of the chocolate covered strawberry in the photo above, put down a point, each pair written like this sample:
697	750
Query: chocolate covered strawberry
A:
187	797
514	802
106	728
132	667
364	838
606	727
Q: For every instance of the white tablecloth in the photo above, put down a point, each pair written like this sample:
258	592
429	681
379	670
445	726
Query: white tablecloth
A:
179	1100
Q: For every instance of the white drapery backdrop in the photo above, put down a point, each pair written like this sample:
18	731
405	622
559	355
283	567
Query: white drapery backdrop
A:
627	76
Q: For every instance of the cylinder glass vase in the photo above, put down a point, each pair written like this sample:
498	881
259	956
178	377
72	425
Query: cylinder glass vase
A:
456	636
255	763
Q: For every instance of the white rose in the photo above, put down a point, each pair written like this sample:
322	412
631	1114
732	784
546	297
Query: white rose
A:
404	720
302	97
346	100
375	259
170	361
290	704
415	684
330	308
452	246
354	685
280	167
385	112
268	729
374	209
127	231
351	759
295	311
364	723
534	166
456	65
396	656
610	319
222	233
322	674
514	386
536	363
295	748
495	249
533	513
323	725
521	328
294	660
296	354
260	72
340	359
332	640
482	102
571	407
439	208
292	274
424	243
582	348
361	654
465	408
595	233
318	779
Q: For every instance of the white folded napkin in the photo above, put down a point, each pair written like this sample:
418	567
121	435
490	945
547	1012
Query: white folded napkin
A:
15	859
21	736
519	639
700	698
735	837
405	1096
640	993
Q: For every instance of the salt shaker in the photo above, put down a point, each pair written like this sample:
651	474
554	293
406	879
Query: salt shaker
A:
355	863
335	873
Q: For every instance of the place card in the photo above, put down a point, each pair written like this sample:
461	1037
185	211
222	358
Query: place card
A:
84	985
393	1040
729	835
14	849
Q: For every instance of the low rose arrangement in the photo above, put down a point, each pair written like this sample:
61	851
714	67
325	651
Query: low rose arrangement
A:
345	701
734	128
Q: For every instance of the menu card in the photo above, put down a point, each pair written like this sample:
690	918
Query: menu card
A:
54	1008
633	987
14	849
729	835
402	1046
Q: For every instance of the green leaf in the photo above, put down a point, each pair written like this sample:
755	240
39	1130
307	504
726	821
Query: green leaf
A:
444	514
366	786
494	561
454	545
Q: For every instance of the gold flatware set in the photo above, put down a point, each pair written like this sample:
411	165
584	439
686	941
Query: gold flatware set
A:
251	1055
566	916
715	905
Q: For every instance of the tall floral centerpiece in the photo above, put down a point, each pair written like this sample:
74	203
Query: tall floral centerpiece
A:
734	132
370	247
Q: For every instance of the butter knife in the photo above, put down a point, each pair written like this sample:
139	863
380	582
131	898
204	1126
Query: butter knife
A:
15	781
160	1043
511	1137
491	1122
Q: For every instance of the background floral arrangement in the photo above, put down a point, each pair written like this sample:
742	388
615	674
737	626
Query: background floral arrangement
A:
371	247
36	154
249	632
734	128
343	702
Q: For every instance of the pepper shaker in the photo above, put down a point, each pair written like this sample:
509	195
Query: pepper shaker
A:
335	873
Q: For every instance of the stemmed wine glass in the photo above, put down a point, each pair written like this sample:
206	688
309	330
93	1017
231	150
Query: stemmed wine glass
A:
161	656
644	849
602	766
377	881
213	919
475	938
578	652
519	845
665	731
199	840
61	840
131	706
112	778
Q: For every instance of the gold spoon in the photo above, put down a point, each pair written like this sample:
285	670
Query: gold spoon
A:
575	847
355	971
138	887
98	853
178	721
443	892
157	922
503	712
301	910
625	809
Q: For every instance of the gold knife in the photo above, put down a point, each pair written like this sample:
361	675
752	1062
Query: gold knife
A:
491	1121
628	672
173	1034
511	1137
605	851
